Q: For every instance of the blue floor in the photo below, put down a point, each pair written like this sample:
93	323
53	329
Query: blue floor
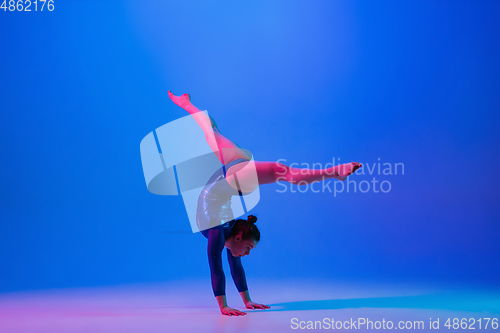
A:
188	306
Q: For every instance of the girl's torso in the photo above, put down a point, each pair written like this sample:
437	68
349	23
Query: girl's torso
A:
214	203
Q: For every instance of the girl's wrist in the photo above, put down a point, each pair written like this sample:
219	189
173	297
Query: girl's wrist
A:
245	296
221	300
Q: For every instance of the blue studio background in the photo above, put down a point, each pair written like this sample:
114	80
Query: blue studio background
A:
412	82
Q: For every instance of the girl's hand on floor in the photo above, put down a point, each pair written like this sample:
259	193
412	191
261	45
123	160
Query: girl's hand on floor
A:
252	305
226	310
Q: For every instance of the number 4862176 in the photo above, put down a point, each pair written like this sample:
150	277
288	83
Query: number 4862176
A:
27	5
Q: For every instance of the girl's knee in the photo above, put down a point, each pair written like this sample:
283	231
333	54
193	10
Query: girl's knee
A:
280	171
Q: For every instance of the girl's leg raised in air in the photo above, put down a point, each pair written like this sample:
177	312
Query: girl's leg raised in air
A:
267	172
272	172
250	175
225	149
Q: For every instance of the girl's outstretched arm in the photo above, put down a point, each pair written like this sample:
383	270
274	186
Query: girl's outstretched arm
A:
238	274
214	250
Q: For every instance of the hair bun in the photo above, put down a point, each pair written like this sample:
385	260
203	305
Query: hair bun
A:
252	218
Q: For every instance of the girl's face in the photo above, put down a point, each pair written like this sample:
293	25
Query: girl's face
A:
240	247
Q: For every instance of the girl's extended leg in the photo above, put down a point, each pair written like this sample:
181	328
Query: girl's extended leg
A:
272	172
267	172
225	149
247	176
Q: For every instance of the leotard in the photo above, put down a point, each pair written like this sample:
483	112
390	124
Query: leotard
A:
214	206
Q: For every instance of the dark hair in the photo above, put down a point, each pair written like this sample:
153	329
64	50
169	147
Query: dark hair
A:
247	228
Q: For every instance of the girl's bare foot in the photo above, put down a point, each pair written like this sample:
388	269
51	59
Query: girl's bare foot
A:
344	170
181	100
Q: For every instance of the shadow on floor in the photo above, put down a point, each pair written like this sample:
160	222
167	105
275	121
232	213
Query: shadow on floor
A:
452	302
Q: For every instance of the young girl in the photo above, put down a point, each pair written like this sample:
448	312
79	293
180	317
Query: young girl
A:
214	204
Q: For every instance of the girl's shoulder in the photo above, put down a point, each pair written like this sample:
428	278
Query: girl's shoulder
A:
226	228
